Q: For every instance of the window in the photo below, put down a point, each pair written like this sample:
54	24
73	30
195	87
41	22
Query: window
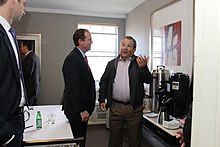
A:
157	49
104	47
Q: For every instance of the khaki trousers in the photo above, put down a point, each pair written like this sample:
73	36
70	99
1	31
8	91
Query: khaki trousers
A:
121	117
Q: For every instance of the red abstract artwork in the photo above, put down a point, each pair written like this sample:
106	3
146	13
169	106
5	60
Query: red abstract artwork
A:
173	44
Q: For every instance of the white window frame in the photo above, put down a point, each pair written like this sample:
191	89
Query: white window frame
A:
157	49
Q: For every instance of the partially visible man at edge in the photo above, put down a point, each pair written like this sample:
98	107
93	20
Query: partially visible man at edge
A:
12	90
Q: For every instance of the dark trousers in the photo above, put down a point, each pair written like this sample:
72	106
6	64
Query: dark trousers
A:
79	129
123	116
17	122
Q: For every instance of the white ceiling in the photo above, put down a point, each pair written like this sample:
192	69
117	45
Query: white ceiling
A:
99	8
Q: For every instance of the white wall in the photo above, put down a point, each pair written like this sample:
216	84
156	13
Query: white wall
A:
206	105
178	11
138	24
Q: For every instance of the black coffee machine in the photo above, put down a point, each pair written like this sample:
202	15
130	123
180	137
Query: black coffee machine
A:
170	92
179	92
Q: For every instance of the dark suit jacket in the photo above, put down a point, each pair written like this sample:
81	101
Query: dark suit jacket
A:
31	71
10	88
79	92
137	78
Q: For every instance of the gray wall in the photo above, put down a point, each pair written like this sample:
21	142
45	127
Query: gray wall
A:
56	31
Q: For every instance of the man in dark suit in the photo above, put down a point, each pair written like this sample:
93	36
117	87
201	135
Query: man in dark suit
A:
12	90
31	70
79	92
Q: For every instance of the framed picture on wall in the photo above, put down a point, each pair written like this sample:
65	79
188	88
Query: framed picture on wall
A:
35	41
172	36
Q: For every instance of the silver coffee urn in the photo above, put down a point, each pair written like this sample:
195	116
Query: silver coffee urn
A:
159	86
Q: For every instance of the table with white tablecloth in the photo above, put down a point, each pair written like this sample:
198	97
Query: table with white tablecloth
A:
58	132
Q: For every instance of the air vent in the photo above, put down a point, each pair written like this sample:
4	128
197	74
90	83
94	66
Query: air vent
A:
101	116
98	116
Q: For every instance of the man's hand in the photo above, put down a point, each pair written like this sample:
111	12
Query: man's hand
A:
142	61
84	116
103	106
179	134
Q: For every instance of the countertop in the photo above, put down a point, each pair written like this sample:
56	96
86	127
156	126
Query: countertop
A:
153	120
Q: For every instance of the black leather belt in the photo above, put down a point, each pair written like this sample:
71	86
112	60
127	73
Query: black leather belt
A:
121	102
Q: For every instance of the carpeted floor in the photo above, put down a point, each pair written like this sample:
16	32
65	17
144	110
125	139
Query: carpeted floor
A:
98	135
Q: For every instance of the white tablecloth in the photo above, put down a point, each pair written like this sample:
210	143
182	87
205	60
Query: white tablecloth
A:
59	130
